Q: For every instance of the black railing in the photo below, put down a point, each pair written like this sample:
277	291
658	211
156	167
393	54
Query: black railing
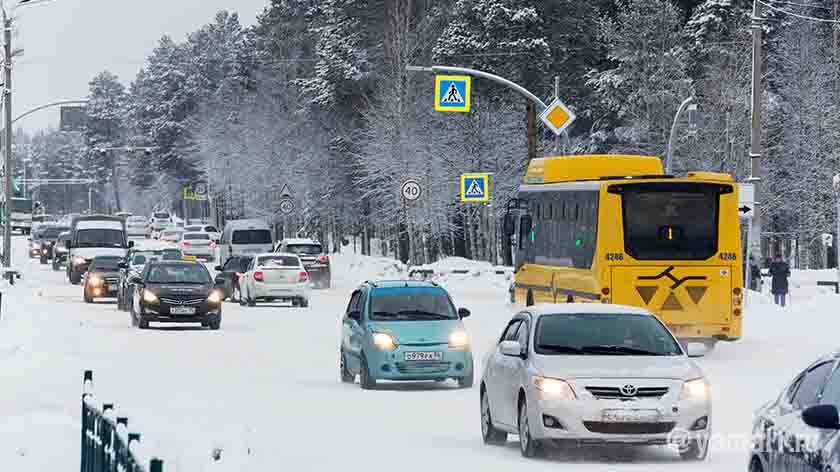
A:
106	443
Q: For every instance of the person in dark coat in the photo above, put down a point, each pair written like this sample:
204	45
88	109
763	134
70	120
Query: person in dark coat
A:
780	272
755	275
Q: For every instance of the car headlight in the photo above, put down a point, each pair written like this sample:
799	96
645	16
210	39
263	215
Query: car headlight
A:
215	297
36	246
95	280
149	297
78	260
555	388
384	341
459	339
695	389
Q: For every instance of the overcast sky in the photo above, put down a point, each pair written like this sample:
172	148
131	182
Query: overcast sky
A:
67	42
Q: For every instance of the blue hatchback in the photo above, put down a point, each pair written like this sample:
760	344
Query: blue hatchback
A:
404	330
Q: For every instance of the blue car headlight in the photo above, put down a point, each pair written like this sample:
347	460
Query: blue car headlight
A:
384	341
459	339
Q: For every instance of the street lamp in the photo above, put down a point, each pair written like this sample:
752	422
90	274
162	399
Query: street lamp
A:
8	53
669	155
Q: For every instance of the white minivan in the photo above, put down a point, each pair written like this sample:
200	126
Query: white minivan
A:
245	237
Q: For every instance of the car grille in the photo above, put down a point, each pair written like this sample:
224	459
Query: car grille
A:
605	393
422	367
187	302
628	428
112	281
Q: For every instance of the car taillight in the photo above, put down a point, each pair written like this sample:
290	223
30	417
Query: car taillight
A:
212	244
304	276
325	259
258	276
240	274
185	244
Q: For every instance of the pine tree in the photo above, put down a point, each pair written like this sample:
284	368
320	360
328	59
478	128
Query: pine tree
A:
106	127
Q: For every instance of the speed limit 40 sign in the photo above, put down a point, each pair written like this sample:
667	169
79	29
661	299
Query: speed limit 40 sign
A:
411	190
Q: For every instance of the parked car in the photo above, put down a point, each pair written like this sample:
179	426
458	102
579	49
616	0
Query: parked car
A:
272	277
800	430
593	373
102	278
230	274
404	330
198	244
245	238
212	231
171	235
175	292
314	257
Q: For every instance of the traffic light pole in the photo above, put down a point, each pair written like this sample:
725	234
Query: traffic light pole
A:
8	164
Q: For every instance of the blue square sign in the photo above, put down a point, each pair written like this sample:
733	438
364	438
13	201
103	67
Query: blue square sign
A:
452	93
474	188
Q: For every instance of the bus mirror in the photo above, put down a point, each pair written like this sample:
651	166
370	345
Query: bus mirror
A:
509	225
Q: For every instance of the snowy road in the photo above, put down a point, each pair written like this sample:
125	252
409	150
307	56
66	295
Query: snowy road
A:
268	382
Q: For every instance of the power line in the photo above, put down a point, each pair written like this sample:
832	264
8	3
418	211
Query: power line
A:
804	5
796	15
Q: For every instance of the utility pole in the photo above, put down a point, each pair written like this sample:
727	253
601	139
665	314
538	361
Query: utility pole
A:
8	165
755	133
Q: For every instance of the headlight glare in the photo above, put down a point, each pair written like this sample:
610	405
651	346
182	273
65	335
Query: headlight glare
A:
95	281
695	389
78	260
555	388
215	297
384	341
459	339
149	297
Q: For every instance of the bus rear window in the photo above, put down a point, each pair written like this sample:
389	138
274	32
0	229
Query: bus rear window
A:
671	221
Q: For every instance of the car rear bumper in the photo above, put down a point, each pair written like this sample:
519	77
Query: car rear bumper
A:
198	252
281	291
391	365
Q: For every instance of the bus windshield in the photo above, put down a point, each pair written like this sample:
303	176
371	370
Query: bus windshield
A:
671	221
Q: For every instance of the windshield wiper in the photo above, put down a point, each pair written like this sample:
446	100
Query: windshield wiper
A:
612	349
560	348
386	314
427	314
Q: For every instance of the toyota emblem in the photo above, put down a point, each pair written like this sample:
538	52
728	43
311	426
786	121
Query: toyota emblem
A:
629	390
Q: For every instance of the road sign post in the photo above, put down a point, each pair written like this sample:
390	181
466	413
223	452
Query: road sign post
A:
411	190
475	187
452	93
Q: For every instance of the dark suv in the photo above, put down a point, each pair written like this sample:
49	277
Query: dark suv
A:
314	258
175	292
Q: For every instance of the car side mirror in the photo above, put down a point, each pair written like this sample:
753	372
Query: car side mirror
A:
511	348
694	350
509	224
29	239
130	244
355	315
122	265
463	313
217	268
821	416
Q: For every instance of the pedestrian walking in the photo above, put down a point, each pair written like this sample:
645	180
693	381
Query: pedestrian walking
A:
780	271
755	275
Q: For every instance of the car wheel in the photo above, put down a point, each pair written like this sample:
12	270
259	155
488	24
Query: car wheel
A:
755	465
251	301
303	302
528	446
365	380
235	296
710	344
466	381
695	449
142	322
216	324
346	375
294	302
489	434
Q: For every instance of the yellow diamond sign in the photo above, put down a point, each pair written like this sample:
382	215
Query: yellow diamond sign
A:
557	116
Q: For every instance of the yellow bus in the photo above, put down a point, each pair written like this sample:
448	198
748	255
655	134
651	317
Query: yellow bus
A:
615	229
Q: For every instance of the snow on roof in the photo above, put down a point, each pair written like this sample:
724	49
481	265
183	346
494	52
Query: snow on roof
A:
299	241
400	283
584	308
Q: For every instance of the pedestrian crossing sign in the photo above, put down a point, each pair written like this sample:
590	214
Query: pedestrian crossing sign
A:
475	188
452	93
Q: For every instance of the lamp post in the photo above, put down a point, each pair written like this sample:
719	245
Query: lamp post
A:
836	185
669	155
7	92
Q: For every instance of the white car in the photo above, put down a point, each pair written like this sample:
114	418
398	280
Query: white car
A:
198	245
211	230
171	235
593	373
136	226
274	276
159	221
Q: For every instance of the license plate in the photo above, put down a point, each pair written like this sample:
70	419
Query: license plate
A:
423	356
182	310
630	416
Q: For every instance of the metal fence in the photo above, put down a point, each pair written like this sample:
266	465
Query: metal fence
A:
107	446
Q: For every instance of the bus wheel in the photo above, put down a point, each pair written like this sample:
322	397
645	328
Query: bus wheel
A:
529	298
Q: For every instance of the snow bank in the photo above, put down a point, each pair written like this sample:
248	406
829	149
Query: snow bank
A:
352	269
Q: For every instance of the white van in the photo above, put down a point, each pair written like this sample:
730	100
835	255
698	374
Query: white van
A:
159	220
92	236
245	237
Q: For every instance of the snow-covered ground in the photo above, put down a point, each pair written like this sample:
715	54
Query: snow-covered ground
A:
265	388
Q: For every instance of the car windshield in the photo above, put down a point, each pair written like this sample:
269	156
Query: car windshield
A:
305	249
99	238
52	232
252	236
195	236
603	334
178	274
105	264
278	261
161	216
410	304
